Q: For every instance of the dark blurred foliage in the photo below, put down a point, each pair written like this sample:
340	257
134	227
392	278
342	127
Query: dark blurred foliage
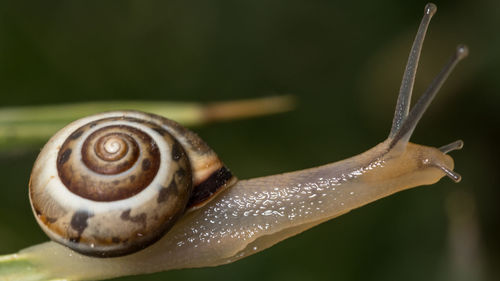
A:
343	60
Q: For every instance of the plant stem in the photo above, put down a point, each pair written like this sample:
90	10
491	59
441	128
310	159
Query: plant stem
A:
21	126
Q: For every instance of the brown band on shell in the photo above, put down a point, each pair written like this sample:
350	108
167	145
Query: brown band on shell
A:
211	186
113	152
190	139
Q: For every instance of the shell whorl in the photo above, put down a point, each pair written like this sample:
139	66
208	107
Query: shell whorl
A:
113	183
113	163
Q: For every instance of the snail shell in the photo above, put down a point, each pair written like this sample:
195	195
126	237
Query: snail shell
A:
113	183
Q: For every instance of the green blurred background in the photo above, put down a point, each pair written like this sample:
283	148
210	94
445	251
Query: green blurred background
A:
343	60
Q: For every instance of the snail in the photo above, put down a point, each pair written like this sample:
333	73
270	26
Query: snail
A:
210	218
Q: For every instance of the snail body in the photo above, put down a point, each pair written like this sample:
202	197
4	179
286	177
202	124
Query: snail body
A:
228	219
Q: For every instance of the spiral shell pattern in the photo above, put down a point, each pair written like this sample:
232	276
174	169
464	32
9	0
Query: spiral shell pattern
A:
111	184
